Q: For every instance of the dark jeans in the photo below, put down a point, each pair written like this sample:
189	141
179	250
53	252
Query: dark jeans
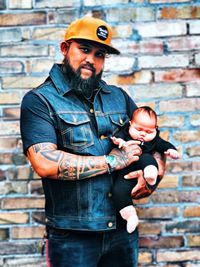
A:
90	249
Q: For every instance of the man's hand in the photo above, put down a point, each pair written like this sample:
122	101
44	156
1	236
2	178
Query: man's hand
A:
161	161
121	158
142	188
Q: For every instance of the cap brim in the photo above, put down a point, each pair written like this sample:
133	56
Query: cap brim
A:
109	49
112	50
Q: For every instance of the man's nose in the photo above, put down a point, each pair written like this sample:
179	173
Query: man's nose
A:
90	58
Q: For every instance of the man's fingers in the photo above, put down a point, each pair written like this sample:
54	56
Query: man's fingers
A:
133	175
139	176
135	189
131	152
133	147
135	158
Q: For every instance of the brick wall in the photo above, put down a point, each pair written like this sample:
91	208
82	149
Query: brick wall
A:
158	66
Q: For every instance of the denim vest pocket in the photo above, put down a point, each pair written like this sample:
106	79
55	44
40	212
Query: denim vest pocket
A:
118	121
75	131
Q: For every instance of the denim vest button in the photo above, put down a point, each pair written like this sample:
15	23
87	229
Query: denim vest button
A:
91	110
109	194
103	137
110	224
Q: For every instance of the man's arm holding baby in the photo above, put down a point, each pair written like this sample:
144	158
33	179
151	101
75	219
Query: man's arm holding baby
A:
142	189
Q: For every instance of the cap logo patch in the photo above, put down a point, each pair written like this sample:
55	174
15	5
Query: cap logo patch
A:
102	33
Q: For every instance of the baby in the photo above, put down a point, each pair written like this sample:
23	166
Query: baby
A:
143	127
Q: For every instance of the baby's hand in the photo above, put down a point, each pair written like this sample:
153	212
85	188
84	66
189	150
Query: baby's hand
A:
118	141
172	153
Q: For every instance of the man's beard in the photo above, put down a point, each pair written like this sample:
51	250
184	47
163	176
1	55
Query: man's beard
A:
83	87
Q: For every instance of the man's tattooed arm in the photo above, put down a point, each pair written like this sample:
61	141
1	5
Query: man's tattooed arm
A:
50	162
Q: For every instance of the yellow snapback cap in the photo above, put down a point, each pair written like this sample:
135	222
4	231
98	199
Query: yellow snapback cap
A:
92	29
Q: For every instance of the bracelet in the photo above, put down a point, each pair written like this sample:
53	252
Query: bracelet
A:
111	162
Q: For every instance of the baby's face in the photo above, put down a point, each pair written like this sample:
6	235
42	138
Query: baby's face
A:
143	128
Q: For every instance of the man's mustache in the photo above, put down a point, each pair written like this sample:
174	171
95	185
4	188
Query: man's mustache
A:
89	66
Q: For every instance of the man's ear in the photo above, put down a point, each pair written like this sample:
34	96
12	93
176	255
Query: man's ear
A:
64	47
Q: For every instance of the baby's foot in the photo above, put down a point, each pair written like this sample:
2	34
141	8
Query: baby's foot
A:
129	214
150	174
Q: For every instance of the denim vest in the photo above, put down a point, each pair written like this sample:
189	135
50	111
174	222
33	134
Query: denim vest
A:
84	130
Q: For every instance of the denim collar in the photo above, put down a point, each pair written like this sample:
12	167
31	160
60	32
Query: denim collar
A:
61	82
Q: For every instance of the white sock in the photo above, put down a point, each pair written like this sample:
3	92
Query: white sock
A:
129	214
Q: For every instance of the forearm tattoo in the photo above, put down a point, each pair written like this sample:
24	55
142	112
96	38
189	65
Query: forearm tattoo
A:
80	167
70	166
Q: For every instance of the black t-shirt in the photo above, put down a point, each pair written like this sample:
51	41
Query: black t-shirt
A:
35	116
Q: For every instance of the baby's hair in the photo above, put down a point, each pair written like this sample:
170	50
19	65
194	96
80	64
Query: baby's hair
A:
145	109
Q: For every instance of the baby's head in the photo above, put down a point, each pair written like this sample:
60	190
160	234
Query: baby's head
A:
143	124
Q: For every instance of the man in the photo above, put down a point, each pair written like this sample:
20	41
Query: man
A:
66	125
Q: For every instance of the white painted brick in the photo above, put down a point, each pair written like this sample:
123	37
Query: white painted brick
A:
19	4
119	64
155	91
24	50
197	59
164	61
22	82
104	2
161	29
194	27
193	89
56	4
9	128
11	35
